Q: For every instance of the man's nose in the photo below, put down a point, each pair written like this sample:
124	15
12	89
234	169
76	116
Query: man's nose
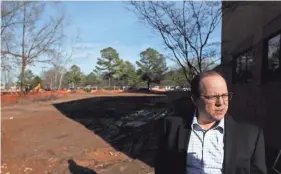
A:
219	101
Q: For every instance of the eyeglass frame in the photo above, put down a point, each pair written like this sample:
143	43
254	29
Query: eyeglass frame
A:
218	96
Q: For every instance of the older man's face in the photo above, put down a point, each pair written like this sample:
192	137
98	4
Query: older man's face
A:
213	101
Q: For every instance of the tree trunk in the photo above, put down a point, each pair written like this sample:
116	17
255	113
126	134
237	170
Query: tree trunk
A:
56	77
51	85
9	79
5	78
22	78
148	84
23	51
61	78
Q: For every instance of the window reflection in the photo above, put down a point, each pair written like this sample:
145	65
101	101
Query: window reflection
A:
273	58
244	65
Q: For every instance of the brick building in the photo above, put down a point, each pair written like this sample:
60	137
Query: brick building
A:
251	63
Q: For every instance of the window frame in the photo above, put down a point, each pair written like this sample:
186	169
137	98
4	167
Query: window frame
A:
265	69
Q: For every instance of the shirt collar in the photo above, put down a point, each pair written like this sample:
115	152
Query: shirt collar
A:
195	124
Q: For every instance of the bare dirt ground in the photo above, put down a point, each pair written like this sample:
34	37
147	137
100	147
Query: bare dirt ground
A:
77	134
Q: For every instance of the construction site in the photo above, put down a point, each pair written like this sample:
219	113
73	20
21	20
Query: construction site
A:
96	132
91	102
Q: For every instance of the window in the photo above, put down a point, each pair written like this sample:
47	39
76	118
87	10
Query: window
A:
243	67
273	69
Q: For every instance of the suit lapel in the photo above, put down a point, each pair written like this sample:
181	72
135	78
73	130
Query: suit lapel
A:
183	138
229	145
182	144
184	132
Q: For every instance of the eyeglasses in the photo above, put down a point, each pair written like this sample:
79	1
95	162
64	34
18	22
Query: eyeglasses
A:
214	98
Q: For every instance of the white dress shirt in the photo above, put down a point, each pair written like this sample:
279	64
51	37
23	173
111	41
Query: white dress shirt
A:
205	152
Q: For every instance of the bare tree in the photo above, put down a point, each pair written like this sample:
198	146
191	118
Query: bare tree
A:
33	39
48	77
63	67
186	28
9	18
57	63
60	60
6	74
9	13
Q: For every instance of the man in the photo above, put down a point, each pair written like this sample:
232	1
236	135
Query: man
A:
207	140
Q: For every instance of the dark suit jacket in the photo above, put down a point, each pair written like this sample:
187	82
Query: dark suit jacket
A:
243	147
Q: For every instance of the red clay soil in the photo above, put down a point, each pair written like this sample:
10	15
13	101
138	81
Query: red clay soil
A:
103	91
37	138
9	98
12	98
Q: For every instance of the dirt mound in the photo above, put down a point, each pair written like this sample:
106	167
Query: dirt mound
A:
80	91
63	91
13	98
9	98
44	96
116	91
103	91
99	91
93	91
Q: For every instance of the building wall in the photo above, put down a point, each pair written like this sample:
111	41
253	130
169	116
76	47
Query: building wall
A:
245	27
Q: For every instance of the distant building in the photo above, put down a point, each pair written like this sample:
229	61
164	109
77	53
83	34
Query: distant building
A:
251	63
